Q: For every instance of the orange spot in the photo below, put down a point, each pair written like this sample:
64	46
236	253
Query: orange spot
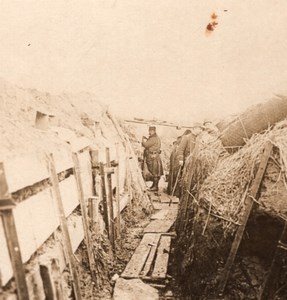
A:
214	16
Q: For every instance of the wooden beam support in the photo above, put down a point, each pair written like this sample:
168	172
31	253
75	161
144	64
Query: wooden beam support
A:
159	123
67	246
240	231
83	205
118	192
104	195
6	206
110	201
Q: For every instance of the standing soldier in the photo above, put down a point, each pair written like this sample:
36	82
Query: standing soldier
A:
187	143
152	153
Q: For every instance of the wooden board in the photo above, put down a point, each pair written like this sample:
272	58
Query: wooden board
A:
30	168
159	226
33	224
151	256
161	215
161	263
165	214
140	256
158	206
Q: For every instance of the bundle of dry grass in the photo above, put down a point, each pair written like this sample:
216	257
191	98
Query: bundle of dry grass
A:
224	191
202	162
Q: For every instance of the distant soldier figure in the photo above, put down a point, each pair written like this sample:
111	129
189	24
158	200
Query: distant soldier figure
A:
152	155
173	169
187	144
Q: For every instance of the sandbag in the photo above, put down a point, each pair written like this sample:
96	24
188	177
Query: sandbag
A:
253	120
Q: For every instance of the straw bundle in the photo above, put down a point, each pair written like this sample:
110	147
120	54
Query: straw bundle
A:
199	165
224	191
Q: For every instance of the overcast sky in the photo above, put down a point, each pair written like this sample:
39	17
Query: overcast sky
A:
149	58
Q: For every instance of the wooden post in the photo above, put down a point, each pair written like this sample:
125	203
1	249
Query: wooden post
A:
6	206
48	284
67	246
56	277
240	231
105	205
94	154
110	200
134	165
269	286
118	192
84	215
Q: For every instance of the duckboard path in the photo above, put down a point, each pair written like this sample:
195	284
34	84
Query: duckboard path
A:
150	259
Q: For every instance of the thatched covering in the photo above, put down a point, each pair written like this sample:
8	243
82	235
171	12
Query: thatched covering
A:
211	211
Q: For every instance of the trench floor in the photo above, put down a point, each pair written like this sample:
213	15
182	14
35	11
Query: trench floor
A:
150	260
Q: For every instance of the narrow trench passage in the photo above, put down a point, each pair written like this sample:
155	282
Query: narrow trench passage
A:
150	246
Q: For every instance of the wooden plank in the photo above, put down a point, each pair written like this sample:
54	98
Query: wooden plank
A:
11	236
137	261
164	198
240	231
31	167
64	228
110	202
159	206
15	253
159	226
104	195
83	204
159	123
161	215
86	173
118	209
165	214
161	263
151	256
31	220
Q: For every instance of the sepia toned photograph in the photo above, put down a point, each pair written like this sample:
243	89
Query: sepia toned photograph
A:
143	150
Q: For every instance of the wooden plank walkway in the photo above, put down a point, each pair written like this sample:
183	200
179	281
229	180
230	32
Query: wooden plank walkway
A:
161	263
136	264
150	260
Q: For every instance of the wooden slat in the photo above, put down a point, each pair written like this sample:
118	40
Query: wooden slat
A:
64	228
161	263
161	215
83	204
110	202
151	256
164	198
240	231
15	254
158	206
159	226
139	257
165	214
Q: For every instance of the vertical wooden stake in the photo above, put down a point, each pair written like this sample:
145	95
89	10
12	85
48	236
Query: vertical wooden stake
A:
240	231
118	192
110	202
104	194
15	253
84	215
6	206
69	255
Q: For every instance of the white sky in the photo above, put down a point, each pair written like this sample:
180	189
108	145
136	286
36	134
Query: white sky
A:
149	58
